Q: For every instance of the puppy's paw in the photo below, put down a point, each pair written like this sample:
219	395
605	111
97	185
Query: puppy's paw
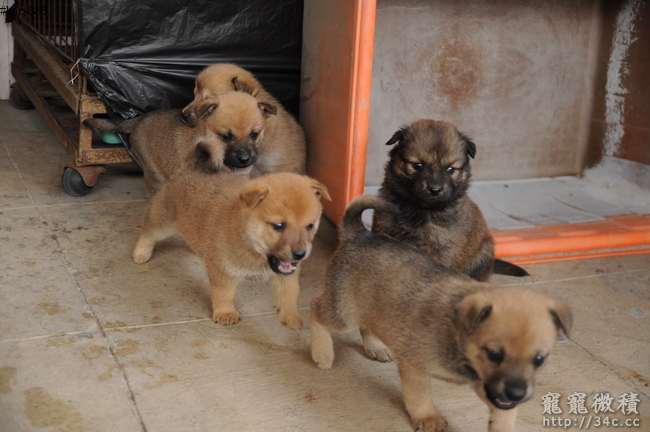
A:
379	353
435	423
322	358
142	251
226	318
293	321
375	348
140	257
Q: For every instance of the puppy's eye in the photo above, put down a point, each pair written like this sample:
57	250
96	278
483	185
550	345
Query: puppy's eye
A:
227	137
538	360
279	227
417	165
451	170
310	227
495	356
254	135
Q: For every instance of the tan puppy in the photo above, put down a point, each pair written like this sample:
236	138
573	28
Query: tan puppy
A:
437	322
283	148
427	176
241	228
228	131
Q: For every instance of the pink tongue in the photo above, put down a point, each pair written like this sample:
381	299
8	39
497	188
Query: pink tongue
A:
286	266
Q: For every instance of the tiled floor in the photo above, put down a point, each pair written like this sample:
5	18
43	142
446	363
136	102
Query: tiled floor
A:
90	341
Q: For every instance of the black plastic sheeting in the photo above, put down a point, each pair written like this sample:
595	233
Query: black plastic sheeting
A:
144	55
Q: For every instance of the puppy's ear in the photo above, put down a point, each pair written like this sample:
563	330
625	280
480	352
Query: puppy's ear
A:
320	189
267	109
397	136
471	312
471	147
562	317
188	115
247	87
253	194
205	109
208	156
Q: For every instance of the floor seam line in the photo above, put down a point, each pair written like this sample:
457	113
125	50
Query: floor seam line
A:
68	267
599	360
133	327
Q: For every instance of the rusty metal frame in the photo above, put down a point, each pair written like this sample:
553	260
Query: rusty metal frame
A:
52	63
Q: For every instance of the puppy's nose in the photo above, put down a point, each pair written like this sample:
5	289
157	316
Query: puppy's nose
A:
184	115
515	389
242	156
299	254
435	190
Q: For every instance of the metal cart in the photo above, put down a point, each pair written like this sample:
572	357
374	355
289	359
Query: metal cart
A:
45	69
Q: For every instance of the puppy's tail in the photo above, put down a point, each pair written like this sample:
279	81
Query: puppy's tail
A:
506	268
352	225
113	125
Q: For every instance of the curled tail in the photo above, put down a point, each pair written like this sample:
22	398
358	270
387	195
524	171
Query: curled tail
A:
113	125
506	268
352	224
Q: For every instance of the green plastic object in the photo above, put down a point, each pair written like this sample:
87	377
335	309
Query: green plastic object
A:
108	137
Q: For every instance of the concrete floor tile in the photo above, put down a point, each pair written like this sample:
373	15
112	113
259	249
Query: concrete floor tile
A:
632	283
12	190
20	121
254	376
38	295
573	269
68	383
40	160
528	201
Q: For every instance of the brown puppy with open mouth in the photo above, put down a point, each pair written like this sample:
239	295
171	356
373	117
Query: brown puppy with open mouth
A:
241	228
284	148
436	322
427	177
229	131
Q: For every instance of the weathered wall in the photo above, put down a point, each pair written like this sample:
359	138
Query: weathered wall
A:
621	112
515	75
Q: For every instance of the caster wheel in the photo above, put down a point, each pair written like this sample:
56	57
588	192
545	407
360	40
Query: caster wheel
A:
18	102
73	183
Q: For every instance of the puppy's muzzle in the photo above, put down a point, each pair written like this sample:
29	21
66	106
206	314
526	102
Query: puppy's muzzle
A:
515	391
240	157
286	267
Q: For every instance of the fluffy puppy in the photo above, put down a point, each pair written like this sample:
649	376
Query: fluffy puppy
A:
427	177
241	228
229	130
435	321
284	146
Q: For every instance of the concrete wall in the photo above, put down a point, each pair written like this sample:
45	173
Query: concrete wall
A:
515	75
620	124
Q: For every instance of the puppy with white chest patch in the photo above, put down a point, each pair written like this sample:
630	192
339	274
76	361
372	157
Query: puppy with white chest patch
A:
436	322
241	228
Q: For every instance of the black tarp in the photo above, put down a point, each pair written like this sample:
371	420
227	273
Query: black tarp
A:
144	55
